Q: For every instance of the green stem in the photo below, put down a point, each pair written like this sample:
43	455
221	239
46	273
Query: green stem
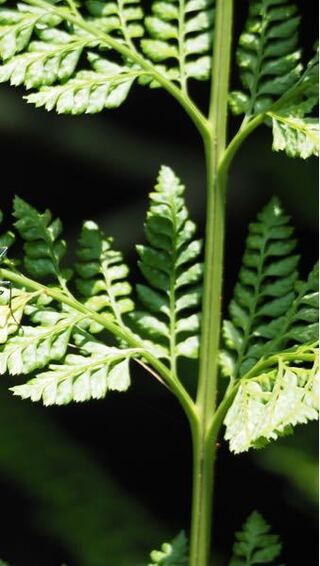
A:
205	433
204	452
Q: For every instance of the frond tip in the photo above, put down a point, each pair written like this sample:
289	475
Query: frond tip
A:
255	544
170	265
262	308
174	553
101	275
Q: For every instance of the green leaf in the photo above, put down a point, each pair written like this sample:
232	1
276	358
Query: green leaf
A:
55	58
295	127
181	38
254	543
264	293
13	303
17	27
298	137
44	248
267	56
170	264
36	346
80	378
122	18
107	86
102	275
299	325
43	51
174	553
273	401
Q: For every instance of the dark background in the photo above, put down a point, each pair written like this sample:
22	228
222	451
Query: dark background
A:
104	482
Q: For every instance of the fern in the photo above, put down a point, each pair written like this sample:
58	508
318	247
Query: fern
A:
44	248
255	544
106	86
274	401
42	50
82	57
53	58
121	18
174	553
36	346
265	291
170	265
271	310
181	31
295	128
13	303
35	330
273	78
18	26
80	378
268	57
101	275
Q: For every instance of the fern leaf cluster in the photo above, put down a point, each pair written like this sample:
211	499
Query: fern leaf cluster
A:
255	544
53	335
36	331
48	54
295	126
107	85
74	62
274	80
268	56
174	553
269	405
272	314
170	264
181	32
268	296
120	18
80	378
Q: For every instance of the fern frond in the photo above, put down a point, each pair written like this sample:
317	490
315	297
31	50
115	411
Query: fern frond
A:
295	127
267	55
299	325
80	378
13	303
181	31
106	86
18	26
36	346
102	275
174	553
121	18
43	246
54	58
265	291
273	402
170	265
254	543
298	137
42	51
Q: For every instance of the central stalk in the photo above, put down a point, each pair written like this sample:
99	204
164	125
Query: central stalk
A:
204	442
